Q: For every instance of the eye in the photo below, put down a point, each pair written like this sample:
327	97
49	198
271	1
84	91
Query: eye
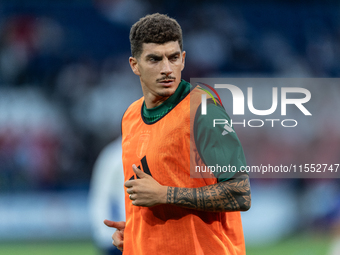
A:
154	60
174	58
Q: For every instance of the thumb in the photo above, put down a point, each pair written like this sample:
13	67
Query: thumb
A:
139	172
115	224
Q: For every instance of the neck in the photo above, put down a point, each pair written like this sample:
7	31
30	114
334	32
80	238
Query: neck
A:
151	101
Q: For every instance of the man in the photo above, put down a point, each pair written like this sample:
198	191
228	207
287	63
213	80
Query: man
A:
167	211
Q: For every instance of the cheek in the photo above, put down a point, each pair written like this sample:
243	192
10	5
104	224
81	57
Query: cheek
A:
152	72
182	67
149	73
179	68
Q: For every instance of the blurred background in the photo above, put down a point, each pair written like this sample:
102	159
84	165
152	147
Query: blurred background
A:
65	83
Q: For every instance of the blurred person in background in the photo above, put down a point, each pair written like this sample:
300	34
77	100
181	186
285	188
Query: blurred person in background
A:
167	211
106	196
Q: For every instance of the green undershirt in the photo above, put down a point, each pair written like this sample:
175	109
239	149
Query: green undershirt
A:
214	147
154	114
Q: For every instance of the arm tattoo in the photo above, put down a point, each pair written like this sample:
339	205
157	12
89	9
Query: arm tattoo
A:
231	195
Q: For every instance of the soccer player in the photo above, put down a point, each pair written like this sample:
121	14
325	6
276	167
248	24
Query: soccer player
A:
164	138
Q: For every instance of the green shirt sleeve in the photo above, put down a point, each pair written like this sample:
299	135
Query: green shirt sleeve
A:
218	146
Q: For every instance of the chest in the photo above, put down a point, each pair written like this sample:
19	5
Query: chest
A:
161	149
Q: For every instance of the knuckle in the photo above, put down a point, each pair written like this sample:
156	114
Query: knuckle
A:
115	234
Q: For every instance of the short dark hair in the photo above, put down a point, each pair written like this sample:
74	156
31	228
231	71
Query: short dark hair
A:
154	28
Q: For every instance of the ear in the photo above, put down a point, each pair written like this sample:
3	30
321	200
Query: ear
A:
134	65
183	60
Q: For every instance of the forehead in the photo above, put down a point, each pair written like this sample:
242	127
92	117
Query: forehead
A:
160	49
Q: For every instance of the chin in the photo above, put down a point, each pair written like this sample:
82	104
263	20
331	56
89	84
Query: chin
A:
167	92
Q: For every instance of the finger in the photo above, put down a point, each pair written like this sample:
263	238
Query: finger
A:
129	191
115	224
117	239
139	172
129	184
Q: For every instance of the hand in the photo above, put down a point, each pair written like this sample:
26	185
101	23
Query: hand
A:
118	236
145	191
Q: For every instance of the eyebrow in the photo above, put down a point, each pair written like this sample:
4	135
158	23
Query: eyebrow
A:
155	56
175	53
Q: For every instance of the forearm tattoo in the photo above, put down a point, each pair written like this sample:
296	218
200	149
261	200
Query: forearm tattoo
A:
232	195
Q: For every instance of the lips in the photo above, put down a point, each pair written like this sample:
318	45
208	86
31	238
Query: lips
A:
167	83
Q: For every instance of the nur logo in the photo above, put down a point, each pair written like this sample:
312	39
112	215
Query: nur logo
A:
239	105
227	128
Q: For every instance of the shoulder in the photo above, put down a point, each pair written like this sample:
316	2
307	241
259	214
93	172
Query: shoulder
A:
134	108
131	114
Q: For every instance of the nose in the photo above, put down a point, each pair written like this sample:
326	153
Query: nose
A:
166	67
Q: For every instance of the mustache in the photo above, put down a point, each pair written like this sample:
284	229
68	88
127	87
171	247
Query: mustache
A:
165	78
